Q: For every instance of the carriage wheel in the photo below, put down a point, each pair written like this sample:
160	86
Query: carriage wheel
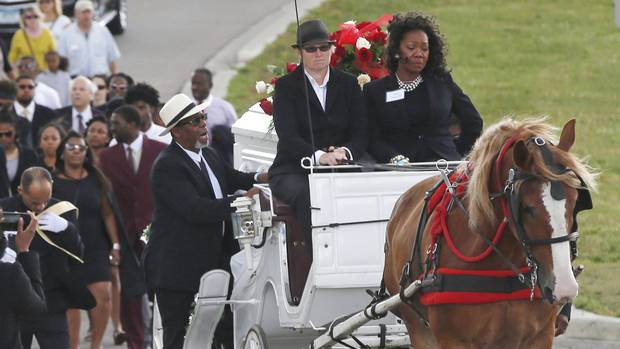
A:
255	339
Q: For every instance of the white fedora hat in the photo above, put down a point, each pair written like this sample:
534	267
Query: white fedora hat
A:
176	109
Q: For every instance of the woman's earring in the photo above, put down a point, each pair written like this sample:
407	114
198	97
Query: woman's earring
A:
396	56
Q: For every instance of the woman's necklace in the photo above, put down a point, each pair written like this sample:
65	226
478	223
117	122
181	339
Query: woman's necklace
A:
409	85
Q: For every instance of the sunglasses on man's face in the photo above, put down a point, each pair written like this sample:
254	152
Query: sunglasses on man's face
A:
7	134
195	121
72	147
23	87
322	48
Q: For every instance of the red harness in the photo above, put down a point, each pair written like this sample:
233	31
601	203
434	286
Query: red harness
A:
464	286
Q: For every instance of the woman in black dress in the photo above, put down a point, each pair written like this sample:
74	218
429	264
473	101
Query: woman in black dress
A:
410	110
78	180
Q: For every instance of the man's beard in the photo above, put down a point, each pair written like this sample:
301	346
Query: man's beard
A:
24	101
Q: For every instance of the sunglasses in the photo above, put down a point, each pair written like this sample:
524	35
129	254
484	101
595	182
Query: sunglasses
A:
195	121
31	17
79	147
45	1
23	87
7	134
118	87
101	87
322	48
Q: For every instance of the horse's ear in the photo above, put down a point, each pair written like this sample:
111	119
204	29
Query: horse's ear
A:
567	139
521	154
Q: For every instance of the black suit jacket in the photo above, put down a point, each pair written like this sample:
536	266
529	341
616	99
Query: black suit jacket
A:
28	131
54	263
187	230
392	134
343	123
27	158
21	294
65	115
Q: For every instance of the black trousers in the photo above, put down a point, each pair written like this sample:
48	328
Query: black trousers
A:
174	308
51	331
294	190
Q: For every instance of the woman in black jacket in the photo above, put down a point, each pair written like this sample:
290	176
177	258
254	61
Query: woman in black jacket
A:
18	157
410	110
21	288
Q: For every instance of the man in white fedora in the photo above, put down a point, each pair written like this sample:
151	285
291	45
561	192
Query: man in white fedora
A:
191	230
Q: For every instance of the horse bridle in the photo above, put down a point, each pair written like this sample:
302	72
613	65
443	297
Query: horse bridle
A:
512	201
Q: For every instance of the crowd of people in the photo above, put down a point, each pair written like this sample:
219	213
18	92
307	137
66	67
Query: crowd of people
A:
74	129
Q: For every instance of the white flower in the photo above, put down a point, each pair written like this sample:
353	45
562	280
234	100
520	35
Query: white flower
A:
363	79
269	89
362	43
261	87
350	22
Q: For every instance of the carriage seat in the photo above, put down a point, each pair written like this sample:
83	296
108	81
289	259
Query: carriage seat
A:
298	250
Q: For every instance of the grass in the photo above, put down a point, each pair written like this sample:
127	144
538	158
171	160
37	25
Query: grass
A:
520	58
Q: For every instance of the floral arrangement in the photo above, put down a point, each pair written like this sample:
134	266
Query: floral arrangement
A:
359	51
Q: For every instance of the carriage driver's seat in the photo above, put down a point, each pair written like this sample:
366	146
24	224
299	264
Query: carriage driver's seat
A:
299	255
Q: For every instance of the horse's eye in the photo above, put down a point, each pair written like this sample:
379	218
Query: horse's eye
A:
528	211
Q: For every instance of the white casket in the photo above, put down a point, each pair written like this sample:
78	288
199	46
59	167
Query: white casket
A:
255	140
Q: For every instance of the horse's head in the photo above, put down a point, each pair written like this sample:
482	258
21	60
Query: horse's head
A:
543	194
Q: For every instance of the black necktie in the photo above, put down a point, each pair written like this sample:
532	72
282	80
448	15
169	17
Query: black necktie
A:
130	159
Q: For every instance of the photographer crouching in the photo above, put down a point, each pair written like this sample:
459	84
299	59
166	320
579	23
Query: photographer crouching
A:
62	248
21	287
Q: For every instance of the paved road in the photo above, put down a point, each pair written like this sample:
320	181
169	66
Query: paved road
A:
166	40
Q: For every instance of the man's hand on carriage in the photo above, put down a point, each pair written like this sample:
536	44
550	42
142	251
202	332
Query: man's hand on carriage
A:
253	191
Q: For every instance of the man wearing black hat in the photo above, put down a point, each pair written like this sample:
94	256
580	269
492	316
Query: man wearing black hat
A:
334	132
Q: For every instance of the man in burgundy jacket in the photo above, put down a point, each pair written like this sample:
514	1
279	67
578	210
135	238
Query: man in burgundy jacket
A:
128	164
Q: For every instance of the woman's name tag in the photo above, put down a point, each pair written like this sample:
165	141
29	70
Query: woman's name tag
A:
396	95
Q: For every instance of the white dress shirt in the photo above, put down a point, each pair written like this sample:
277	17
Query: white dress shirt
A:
136	151
321	93
46	96
197	157
19	110
89	53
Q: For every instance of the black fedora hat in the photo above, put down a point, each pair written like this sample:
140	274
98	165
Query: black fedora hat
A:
310	32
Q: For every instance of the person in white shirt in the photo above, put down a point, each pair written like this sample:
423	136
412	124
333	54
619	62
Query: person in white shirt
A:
75	116
219	111
44	95
53	19
55	77
88	45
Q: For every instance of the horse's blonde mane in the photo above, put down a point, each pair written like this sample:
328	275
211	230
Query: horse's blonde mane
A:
486	149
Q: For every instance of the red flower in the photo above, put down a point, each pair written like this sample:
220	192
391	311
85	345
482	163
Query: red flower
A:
340	52
273	81
361	25
290	67
377	36
266	106
364	55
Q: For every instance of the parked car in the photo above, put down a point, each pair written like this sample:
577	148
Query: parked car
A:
112	13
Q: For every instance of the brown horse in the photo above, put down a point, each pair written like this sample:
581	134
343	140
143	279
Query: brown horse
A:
484	288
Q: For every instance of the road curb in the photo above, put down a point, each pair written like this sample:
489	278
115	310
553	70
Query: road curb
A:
250	44
588	325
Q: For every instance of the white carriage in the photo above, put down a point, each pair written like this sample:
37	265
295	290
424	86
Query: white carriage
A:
349	216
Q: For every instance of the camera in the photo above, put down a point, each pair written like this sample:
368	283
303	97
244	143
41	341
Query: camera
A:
9	220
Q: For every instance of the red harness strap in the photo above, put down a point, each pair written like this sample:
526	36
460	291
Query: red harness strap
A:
439	227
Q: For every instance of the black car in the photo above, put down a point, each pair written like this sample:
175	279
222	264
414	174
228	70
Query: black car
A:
112	13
